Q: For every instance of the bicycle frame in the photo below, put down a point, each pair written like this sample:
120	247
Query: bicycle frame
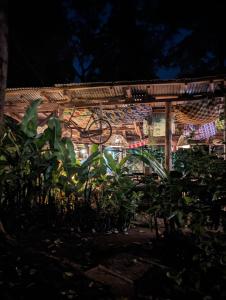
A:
77	127
85	132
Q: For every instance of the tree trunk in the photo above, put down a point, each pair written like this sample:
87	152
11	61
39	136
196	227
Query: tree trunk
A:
3	55
3	77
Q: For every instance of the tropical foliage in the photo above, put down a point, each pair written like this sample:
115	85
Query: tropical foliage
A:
40	170
44	185
192	196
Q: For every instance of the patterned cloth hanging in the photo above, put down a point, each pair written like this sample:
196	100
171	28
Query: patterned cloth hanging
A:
199	112
128	114
138	144
200	132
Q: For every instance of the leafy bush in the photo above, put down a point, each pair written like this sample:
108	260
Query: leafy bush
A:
40	170
192	197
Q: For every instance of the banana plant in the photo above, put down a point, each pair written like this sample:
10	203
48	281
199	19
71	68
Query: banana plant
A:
119	198
152	162
193	197
32	164
165	194
105	182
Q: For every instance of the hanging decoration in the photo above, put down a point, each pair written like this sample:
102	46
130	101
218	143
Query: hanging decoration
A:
118	141
200	132
199	112
139	144
159	124
127	114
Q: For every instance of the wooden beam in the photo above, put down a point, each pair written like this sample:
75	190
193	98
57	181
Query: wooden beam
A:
14	116
44	121
21	108
107	101
86	103
168	137
166	97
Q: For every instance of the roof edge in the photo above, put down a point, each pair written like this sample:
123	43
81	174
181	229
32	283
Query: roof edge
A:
126	82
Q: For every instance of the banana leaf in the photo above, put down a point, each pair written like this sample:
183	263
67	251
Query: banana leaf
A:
151	161
29	122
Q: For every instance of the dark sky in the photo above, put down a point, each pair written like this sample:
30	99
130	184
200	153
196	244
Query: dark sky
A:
58	41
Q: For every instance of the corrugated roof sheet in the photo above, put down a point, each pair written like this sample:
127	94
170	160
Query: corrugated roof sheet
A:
115	95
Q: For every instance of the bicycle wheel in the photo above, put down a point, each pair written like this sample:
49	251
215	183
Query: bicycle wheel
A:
99	131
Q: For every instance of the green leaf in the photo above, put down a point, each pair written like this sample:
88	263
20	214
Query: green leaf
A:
172	215
54	124
29	122
188	200
124	160
90	160
70	150
150	160
112	164
94	148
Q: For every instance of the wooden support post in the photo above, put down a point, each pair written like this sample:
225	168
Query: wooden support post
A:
60	114
224	127
87	149
101	149
168	136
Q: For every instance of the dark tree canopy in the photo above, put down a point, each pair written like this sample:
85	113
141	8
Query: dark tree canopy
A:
203	50
58	41
39	52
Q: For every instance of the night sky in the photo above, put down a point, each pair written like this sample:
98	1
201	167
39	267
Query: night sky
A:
83	41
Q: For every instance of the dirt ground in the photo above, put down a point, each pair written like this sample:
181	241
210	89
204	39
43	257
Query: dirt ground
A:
70	265
60	263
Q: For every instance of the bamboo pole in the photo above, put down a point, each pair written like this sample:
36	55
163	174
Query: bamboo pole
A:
168	136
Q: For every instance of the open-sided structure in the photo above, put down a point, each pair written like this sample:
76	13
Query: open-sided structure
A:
136	110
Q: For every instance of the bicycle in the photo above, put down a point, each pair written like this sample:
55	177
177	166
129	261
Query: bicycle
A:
98	130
